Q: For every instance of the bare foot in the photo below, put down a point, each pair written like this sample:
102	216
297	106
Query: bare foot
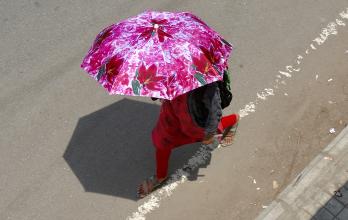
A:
228	134
227	139
149	185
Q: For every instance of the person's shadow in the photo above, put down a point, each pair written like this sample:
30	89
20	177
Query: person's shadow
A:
111	151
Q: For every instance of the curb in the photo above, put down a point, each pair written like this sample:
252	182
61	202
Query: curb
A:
314	186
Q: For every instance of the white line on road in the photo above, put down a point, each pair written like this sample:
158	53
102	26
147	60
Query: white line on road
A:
200	157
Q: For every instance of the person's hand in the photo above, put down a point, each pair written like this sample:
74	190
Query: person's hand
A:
208	139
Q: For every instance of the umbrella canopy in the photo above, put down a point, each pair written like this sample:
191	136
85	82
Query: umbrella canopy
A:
157	54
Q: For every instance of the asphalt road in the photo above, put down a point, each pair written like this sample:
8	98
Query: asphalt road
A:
70	151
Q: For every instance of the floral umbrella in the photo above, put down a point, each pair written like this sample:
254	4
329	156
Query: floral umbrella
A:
157	54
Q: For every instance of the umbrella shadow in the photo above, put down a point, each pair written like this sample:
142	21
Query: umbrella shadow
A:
111	151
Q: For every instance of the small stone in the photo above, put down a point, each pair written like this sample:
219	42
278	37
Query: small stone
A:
332	130
328	158
264	206
316	77
275	184
258	188
329	80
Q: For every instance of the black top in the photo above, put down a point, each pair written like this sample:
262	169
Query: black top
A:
205	107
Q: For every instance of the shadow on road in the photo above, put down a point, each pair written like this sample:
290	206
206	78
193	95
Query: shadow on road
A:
111	150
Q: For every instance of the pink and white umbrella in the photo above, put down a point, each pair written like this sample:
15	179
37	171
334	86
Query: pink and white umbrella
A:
157	54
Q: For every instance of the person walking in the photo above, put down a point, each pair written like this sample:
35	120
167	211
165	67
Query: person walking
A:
192	117
178	58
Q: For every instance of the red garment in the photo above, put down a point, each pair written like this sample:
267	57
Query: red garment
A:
175	127
226	121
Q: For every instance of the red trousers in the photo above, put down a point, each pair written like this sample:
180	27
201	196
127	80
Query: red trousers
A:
175	127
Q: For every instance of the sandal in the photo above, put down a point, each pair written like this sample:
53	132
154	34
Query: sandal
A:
149	185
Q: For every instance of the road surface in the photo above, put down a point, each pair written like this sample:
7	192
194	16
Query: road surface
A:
70	151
